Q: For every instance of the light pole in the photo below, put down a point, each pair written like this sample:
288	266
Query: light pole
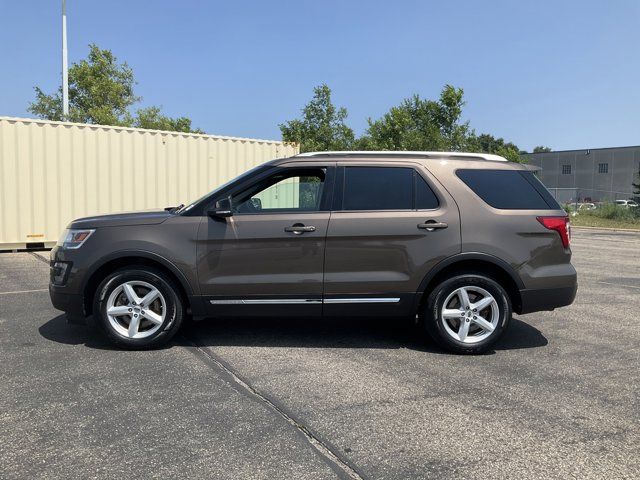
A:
65	75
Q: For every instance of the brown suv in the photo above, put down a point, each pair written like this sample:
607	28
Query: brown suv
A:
459	240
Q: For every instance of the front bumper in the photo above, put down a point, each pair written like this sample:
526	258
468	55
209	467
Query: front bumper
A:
64	287
71	304
547	298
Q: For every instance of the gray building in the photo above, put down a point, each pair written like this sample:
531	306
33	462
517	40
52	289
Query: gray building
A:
598	174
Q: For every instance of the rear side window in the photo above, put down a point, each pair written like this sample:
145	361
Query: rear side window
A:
509	189
386	188
378	188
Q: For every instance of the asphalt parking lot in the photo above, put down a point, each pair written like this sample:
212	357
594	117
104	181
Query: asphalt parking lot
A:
558	398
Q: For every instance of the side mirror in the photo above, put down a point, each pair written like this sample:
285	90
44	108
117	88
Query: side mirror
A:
257	203
222	209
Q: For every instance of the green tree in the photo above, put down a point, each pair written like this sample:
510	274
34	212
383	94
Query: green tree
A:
420	124
408	126
486	143
322	126
415	124
448	115
511	153
541	149
153	119
101	91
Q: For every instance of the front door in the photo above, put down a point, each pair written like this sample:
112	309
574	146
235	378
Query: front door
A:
267	258
380	244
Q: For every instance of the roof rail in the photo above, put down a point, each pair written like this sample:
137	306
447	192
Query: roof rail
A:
384	153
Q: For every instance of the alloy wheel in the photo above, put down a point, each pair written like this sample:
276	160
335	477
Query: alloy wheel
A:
136	309
470	314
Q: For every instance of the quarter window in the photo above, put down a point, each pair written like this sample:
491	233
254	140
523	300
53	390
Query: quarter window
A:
509	189
425	198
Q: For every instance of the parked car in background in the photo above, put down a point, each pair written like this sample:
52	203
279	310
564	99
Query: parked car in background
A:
626	203
587	206
456	240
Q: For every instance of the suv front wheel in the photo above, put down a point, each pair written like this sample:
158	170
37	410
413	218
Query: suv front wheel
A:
138	307
467	313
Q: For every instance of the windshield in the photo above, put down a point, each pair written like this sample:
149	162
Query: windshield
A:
221	187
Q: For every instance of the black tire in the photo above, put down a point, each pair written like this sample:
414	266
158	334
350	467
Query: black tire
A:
434	323
174	311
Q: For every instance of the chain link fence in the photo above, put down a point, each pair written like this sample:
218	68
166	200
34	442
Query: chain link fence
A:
581	195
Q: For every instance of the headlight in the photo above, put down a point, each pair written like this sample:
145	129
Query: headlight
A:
74	238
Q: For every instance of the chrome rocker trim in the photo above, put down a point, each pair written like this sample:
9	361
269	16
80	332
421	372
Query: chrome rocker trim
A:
284	301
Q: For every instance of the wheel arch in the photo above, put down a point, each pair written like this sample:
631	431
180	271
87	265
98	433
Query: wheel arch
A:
120	259
484	263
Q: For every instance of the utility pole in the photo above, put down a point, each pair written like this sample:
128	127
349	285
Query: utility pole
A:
65	74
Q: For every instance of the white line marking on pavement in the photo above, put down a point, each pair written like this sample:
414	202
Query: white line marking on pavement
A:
620	285
25	291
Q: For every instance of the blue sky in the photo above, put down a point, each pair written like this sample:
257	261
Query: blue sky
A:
559	73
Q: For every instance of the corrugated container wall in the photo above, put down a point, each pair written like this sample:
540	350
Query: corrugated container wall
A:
53	172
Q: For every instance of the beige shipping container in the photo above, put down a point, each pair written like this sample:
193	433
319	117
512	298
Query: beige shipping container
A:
53	172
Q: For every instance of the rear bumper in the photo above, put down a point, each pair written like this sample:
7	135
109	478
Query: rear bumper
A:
547	298
71	304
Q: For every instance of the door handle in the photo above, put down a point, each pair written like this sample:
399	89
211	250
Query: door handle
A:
431	225
299	228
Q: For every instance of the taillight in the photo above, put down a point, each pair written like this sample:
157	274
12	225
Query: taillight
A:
560	225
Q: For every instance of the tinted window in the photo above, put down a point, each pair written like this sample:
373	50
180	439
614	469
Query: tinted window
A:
509	189
378	188
542	190
425	198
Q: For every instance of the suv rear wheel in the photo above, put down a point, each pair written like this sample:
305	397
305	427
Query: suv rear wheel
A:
467	313
138	307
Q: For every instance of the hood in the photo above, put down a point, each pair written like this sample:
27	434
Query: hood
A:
122	219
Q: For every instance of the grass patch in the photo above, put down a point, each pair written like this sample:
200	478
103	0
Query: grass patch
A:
582	220
607	215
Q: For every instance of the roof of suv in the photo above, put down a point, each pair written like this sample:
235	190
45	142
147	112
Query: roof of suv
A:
404	154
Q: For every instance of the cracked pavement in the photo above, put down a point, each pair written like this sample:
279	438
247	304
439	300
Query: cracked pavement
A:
275	398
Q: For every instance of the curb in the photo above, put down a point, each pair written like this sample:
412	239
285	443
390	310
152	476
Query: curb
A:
607	229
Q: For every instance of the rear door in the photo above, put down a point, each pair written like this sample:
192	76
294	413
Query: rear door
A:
390	224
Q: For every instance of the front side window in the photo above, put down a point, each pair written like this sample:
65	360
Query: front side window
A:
295	190
386	188
197	207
